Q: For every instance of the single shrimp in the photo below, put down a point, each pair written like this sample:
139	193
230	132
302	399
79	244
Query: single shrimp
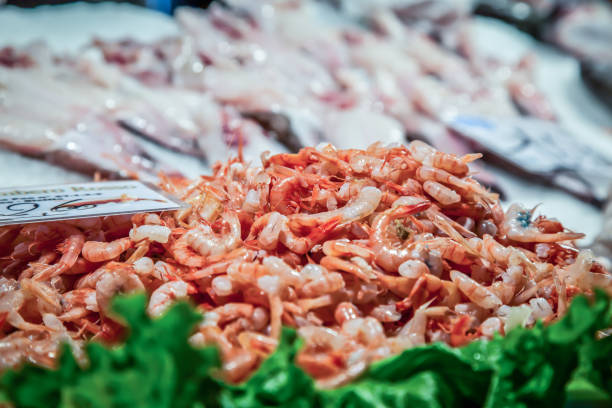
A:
274	229
157	233
227	313
413	268
363	205
327	282
440	193
113	282
477	293
283	197
70	249
520	228
426	154
47	298
163	297
78	303
447	248
46	257
196	245
346	248
414	330
346	311
277	267
338	264
221	266
95	251
90	280
427	173
257	343
307	304
390	253
271	285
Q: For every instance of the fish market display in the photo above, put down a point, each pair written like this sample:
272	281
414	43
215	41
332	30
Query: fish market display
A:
516	144
85	114
377	78
581	28
267	75
365	252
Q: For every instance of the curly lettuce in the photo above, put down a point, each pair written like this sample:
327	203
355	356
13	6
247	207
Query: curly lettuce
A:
545	366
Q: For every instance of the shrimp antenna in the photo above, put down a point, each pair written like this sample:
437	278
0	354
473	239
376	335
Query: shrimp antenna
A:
534	208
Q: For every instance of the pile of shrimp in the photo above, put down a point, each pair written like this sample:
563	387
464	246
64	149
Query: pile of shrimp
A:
365	252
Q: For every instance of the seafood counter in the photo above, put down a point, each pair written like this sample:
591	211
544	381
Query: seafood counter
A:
366	252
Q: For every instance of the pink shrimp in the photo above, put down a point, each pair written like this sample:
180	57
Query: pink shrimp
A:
519	228
95	251
196	245
449	162
440	193
113	282
163	296
390	253
70	249
474	291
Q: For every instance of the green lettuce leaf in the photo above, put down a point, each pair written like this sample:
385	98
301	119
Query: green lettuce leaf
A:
156	367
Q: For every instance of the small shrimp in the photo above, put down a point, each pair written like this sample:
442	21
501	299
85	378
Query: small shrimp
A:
222	286
157	233
366	330
199	243
338	264
427	155
301	245
271	286
277	267
257	343
390	253
163	297
346	248
440	193
240	254
113	282
227	313
327	282
70	249
481	295
346	311
274	229
386	313
281	193
414	330
77	303
42	262
492	325
365	204
308	304
90	280
95	251
48	299
447	248
413	268
520	228
427	173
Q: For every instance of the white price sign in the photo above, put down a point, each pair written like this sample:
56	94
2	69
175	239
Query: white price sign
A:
51	203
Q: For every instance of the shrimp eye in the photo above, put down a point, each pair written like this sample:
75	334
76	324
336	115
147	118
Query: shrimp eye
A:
524	217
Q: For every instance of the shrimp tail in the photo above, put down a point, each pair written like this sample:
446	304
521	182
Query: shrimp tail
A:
468	158
320	232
